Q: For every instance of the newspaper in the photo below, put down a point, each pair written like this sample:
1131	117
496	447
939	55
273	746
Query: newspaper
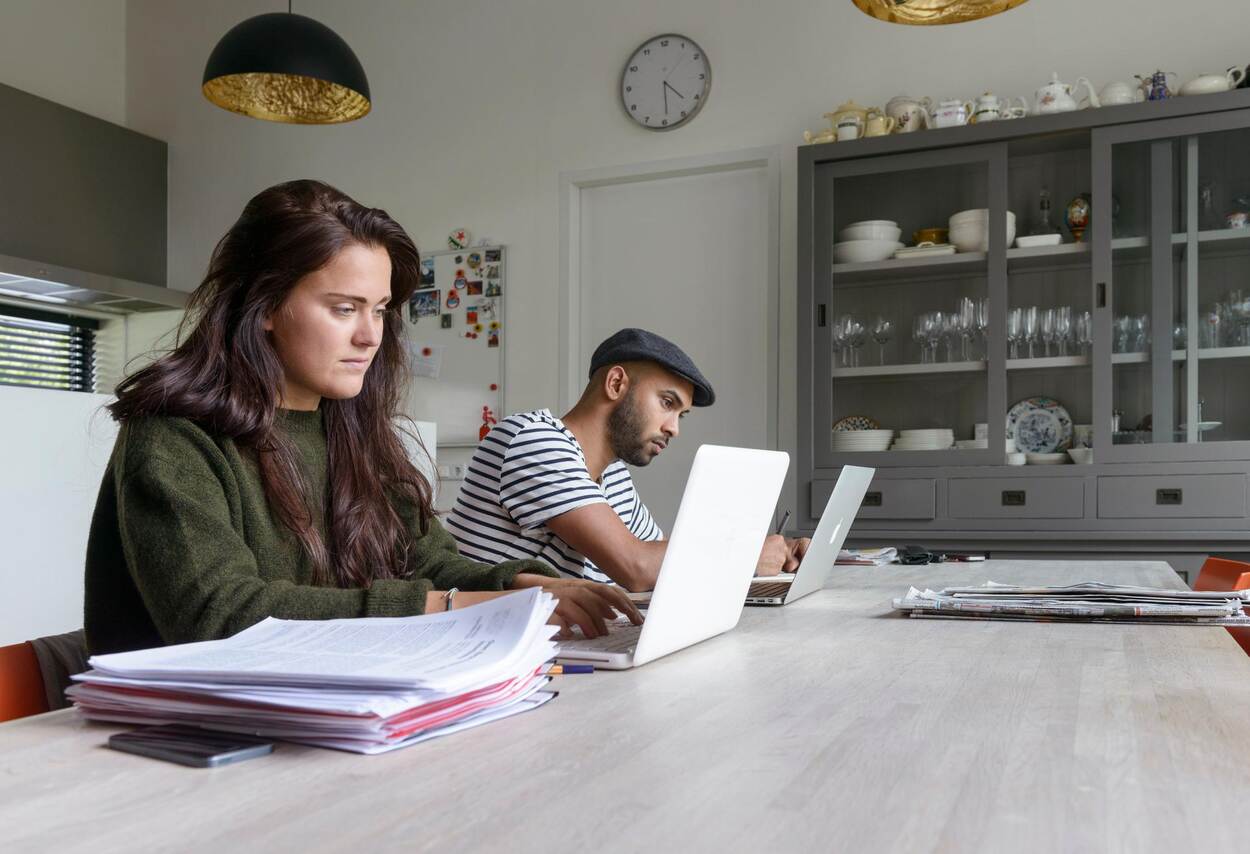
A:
1088	601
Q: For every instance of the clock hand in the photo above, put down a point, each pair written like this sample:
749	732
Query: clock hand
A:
675	92
665	91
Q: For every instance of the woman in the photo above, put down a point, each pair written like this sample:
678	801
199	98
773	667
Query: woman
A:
258	472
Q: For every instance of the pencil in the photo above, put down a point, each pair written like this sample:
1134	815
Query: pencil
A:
569	669
781	526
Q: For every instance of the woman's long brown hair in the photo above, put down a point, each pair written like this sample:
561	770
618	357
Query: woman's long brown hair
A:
226	376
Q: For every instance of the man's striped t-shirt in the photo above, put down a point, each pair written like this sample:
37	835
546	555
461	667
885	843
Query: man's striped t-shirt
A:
530	469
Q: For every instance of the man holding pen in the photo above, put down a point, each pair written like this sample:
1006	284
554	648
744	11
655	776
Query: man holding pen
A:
557	489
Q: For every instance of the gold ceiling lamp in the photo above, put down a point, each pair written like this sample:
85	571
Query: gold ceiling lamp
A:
283	67
928	12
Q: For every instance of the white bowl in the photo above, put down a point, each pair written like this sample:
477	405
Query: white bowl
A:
1025	241
975	215
1016	459
1037	459
975	236
864	251
870	232
1084	456
1011	446
871	222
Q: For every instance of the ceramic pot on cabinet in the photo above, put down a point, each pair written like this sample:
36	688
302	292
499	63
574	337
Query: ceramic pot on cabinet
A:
1115	93
909	114
989	108
1209	84
879	125
849	120
1056	96
950	114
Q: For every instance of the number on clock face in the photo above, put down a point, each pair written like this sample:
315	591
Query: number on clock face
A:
665	82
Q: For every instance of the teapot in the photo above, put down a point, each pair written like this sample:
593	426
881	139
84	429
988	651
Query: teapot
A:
829	135
909	114
1155	86
1056	96
1116	92
1209	84
989	108
878	124
849	120
949	114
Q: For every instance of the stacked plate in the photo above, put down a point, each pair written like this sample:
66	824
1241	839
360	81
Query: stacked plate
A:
862	440
924	440
867	241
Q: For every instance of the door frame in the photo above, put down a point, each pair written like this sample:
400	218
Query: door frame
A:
571	356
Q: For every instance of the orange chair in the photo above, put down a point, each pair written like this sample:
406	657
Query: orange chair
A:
21	683
1219	573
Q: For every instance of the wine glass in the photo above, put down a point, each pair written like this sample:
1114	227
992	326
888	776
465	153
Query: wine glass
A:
1046	328
920	335
882	332
1085	331
1030	326
855	338
1063	328
838	336
967	325
982	324
1015	331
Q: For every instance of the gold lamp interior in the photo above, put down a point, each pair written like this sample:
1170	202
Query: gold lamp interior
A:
287	98
929	12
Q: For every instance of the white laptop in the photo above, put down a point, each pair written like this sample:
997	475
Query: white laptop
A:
822	554
708	564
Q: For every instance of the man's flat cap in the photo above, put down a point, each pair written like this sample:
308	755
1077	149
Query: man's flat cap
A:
639	345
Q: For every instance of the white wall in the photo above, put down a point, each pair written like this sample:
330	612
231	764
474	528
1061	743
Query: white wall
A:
54	446
69	51
479	105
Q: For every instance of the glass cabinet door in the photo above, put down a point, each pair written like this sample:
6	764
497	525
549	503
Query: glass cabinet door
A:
905	248
1172	287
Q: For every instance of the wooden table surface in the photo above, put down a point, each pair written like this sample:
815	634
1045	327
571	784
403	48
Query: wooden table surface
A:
828	725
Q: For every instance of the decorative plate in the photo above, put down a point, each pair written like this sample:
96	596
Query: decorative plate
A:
855	422
1040	425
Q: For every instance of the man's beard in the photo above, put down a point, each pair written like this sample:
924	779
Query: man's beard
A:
625	433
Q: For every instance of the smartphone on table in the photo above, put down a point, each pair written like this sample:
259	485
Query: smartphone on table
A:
190	745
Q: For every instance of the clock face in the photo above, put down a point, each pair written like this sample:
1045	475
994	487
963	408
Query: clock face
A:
665	82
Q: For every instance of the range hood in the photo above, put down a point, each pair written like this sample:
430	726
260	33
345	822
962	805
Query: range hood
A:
47	285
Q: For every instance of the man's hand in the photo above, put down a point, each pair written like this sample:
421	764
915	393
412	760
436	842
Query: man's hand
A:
588	605
774	556
797	549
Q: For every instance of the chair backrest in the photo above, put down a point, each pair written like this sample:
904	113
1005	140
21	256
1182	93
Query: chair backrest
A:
21	683
1219	573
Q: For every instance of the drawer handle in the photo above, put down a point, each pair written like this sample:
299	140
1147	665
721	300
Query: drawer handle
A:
872	499
1013	497
1169	496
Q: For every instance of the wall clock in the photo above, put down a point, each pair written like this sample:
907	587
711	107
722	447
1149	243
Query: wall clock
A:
665	82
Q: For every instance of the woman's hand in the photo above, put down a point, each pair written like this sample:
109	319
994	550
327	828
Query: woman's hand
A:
588	605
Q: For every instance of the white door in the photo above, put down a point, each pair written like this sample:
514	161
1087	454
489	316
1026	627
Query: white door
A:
688	258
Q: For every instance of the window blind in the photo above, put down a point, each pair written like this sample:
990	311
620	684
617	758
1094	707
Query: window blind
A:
46	350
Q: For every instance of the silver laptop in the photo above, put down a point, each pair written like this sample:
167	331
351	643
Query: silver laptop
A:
822	554
711	555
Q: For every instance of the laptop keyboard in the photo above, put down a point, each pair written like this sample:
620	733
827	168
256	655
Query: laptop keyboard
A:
767	589
622	636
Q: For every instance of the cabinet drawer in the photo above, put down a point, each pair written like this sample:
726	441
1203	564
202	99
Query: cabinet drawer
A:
885	499
1186	496
1017	498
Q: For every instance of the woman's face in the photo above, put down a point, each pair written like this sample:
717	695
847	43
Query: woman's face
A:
328	329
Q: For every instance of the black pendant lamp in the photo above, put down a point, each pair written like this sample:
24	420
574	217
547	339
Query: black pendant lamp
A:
283	67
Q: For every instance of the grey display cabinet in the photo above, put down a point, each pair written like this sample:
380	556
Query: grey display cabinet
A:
1161	176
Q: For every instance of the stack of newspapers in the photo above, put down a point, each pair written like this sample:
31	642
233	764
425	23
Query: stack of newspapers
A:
1086	602
362	685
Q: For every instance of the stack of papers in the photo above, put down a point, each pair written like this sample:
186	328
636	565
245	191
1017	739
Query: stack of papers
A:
867	557
362	685
1086	602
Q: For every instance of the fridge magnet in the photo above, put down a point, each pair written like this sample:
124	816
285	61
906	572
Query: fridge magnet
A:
460	283
477	328
492	288
444	321
488	421
470	316
453	298
460	273
458	239
494	325
423	304
492	340
475	260
491	271
426	278
492	256
475	288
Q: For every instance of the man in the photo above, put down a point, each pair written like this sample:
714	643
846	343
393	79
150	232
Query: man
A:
557	489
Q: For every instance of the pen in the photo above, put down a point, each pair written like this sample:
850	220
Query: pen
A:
569	669
782	525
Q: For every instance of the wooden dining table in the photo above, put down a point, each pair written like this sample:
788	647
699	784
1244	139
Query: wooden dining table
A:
830	724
